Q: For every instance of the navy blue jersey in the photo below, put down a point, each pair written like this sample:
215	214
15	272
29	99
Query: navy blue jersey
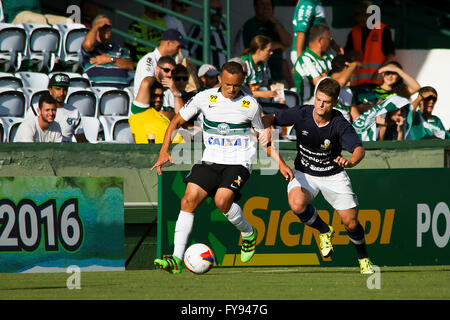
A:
319	146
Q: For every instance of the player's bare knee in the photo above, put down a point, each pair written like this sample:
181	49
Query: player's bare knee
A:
188	203
223	204
297	205
350	224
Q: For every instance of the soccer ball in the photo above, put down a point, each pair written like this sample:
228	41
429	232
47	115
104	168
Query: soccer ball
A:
199	258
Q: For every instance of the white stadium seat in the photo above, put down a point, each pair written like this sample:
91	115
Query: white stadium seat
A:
42	46
12	111
35	80
113	106
13	39
72	37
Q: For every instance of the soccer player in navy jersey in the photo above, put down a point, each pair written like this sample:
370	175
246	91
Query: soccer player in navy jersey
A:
322	132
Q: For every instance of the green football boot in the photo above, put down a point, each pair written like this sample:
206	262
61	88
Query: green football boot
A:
171	264
326	248
248	246
365	266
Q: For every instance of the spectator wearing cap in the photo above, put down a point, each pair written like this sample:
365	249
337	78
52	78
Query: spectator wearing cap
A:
171	42
208	76
105	63
43	127
68	117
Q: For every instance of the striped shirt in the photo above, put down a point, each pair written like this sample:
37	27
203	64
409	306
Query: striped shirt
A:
307	13
106	75
259	74
217	57
307	67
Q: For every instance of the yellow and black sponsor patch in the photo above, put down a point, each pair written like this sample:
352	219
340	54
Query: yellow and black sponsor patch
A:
213	98
245	104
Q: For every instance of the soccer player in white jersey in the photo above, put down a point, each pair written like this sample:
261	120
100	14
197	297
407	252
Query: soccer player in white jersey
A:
228	115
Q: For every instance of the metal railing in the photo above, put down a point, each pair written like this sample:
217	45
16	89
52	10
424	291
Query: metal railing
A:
204	24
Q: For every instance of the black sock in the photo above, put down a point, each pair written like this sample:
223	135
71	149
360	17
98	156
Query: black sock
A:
357	237
312	219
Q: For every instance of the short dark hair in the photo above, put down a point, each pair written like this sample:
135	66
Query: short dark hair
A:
338	63
330	87
232	67
428	89
166	59
47	98
317	31
180	69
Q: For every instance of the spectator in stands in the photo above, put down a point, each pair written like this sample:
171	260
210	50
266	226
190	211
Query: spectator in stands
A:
373	47
265	23
150	124
29	11
208	76
342	68
106	63
217	56
395	81
175	94
313	63
425	125
170	45
41	128
258	73
308	13
145	32
391	127
173	22
68	117
163	70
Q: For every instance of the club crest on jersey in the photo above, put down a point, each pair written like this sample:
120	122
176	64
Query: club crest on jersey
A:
245	104
213	98
224	142
223	129
326	144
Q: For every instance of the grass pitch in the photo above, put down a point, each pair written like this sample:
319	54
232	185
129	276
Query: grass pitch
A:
299	283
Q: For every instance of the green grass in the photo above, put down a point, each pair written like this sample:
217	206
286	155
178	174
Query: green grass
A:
299	283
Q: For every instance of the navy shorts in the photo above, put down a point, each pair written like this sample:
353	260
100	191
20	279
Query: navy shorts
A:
212	176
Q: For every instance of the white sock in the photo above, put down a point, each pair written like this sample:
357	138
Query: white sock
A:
183	229
236	217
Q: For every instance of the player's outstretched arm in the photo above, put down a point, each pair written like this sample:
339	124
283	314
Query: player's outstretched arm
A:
357	156
164	155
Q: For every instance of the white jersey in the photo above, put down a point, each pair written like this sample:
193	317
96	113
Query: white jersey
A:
69	119
146	67
226	126
30	131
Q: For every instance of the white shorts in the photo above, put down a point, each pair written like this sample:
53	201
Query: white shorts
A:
336	189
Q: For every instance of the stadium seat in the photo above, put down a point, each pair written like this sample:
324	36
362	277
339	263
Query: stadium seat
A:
12	111
85	100
13	41
42	47
72	37
34	80
8	80
292	98
113	105
122	132
91	127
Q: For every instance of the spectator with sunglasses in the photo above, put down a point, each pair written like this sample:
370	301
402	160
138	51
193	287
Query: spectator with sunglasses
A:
395	81
425	125
150	125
